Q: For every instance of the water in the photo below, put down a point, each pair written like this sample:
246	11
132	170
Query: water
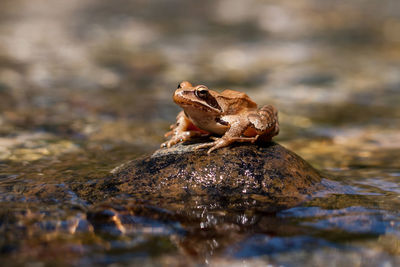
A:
86	86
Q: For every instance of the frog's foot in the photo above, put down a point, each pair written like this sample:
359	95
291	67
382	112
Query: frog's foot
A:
239	139
223	142
179	137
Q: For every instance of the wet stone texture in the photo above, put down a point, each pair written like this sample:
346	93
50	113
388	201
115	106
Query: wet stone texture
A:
264	177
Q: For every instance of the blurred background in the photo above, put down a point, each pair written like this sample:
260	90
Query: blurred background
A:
86	85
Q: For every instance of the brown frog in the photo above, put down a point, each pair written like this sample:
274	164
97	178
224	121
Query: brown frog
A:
230	114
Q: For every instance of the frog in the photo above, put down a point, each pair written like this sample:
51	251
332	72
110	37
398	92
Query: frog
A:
226	117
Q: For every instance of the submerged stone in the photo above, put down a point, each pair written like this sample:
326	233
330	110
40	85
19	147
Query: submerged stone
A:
244	176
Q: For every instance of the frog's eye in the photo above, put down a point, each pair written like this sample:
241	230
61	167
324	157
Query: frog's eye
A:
179	86
201	92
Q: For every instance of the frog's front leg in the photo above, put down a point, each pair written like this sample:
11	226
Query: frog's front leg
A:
183	130
234	134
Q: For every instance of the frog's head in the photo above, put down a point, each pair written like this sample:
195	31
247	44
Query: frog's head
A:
197	99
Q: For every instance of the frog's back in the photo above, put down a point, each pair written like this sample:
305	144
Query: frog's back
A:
239	97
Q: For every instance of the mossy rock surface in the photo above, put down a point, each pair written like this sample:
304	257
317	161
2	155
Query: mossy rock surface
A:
245	176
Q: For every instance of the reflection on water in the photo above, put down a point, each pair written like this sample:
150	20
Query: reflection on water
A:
353	219
86	85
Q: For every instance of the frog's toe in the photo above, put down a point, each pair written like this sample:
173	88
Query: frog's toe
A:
212	149
165	144
168	133
168	143
255	138
204	145
221	142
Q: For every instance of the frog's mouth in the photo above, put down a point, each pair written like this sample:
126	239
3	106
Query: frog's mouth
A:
199	106
187	99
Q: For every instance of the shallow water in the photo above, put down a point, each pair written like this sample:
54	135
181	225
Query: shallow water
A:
86	86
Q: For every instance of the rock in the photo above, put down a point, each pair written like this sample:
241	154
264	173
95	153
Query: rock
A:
241	177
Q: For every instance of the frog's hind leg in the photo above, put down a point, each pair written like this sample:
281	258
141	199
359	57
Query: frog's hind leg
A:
218	143
269	120
239	139
225	141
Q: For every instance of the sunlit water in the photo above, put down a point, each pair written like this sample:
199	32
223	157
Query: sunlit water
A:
88	87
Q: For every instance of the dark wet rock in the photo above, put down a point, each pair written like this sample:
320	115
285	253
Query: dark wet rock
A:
258	177
201	199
